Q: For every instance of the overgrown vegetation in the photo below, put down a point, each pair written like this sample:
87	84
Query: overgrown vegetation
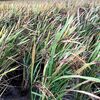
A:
58	52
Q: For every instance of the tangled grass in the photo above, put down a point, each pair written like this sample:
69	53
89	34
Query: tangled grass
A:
57	49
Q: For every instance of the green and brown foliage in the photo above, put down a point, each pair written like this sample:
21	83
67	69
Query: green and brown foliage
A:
58	50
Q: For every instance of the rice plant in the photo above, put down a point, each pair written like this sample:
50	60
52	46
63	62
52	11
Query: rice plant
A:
58	51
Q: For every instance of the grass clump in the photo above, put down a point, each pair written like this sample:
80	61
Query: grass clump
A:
59	52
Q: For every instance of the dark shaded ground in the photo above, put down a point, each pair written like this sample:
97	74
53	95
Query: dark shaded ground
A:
15	94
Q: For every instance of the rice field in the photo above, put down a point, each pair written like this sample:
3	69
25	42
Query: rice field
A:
50	50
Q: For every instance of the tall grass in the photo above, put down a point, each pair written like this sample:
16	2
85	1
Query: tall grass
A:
58	51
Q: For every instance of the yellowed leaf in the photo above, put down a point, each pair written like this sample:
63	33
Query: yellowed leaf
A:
33	60
84	67
1	33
